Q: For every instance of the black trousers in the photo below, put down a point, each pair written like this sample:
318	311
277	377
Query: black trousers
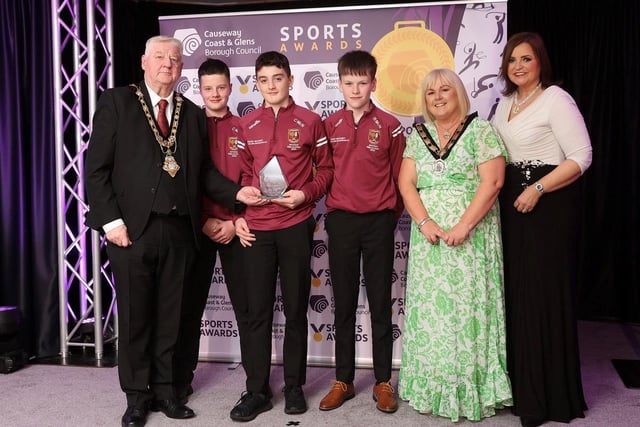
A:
286	252
196	294
149	278
368	237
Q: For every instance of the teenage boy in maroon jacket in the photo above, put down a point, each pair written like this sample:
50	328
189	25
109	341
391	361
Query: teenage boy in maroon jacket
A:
363	206
278	236
218	235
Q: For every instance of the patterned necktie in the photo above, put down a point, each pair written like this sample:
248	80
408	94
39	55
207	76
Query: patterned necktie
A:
163	124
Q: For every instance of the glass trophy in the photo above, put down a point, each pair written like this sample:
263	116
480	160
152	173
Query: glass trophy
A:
273	184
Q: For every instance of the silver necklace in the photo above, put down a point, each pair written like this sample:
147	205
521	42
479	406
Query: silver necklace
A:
516	108
447	133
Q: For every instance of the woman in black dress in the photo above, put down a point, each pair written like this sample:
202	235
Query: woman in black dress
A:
549	149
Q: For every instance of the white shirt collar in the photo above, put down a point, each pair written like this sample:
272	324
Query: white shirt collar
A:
155	98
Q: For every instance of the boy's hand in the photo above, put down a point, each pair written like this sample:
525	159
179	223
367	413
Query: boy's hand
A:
290	199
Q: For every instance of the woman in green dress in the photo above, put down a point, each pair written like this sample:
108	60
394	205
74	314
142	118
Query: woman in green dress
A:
454	350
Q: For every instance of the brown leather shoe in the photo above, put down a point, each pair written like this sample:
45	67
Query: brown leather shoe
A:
337	396
383	394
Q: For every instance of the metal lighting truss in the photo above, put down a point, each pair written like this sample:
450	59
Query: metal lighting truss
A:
82	43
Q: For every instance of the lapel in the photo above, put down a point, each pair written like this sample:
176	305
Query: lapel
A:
181	141
147	99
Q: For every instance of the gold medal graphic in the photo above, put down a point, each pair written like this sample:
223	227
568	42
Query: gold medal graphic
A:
405	56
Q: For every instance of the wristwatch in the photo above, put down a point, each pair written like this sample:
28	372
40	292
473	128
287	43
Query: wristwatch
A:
539	187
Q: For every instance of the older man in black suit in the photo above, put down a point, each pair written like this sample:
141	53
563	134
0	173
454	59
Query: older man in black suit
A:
146	167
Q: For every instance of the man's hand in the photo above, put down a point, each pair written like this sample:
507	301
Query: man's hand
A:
250	196
119	236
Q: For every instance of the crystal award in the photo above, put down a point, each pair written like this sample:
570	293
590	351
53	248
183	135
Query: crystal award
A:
273	184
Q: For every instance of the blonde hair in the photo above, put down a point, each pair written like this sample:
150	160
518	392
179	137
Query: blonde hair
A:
448	77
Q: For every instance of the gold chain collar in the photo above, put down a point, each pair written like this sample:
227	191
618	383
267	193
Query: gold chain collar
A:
170	145
443	153
167	144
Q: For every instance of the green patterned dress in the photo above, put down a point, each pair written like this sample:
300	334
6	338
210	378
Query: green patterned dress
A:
453	349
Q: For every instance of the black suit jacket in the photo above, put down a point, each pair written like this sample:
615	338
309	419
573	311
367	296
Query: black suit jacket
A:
124	163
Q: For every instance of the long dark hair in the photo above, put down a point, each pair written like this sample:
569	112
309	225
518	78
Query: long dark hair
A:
537	45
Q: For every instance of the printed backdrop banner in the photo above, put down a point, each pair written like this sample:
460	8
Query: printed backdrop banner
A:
408	41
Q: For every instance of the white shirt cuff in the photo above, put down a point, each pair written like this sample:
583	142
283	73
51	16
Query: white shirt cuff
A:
113	224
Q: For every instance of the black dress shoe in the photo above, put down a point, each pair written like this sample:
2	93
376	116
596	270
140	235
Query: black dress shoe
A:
294	401
134	417
250	406
172	409
531	422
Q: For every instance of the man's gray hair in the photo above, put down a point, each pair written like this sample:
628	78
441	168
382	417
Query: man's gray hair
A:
162	39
